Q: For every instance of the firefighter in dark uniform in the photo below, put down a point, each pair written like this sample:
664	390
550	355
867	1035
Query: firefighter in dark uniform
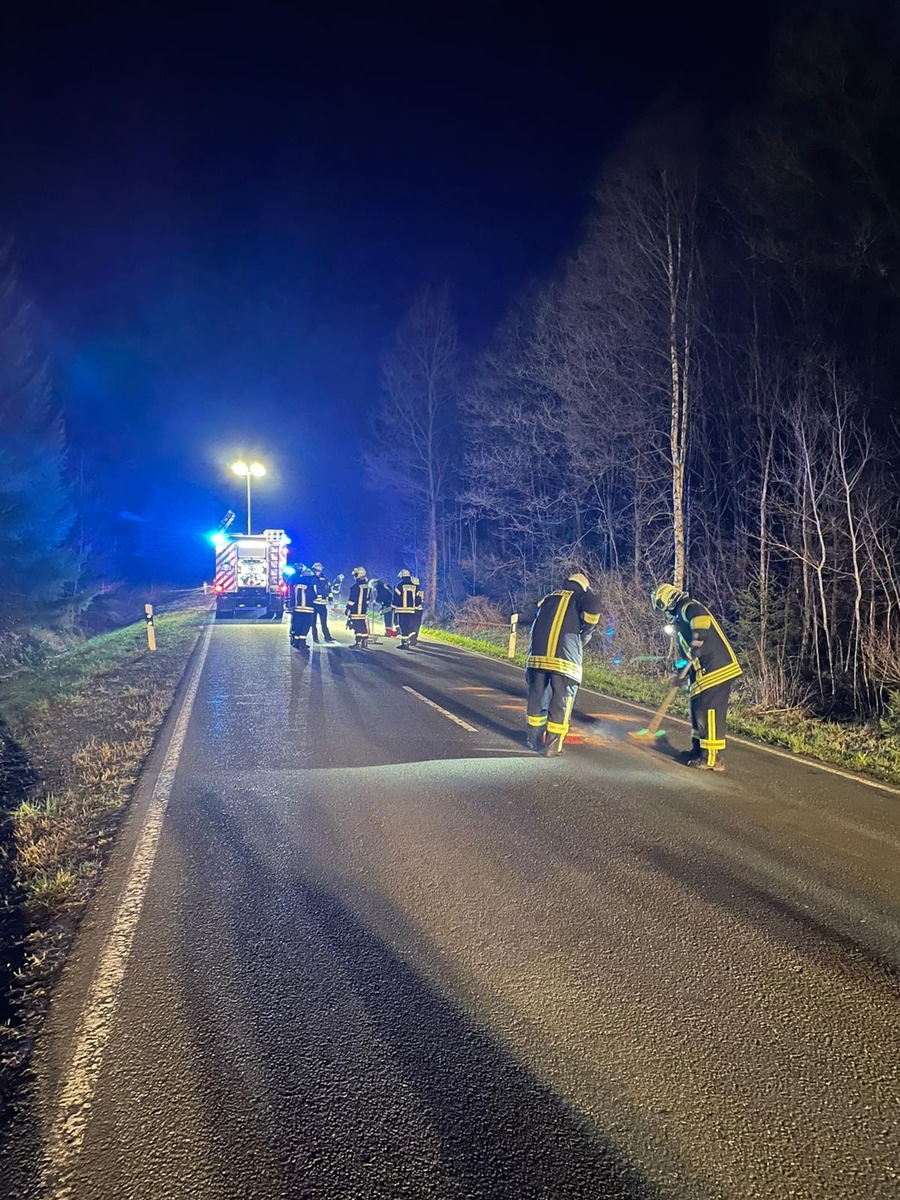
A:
381	593
405	607
358	607
565	622
420	611
320	604
712	667
302	610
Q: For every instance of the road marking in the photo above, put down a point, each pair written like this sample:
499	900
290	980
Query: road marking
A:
796	759
473	689
452	716
79	1081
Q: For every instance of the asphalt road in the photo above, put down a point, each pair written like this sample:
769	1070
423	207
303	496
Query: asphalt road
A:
384	955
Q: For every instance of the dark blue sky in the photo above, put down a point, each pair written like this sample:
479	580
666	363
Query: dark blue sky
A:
224	209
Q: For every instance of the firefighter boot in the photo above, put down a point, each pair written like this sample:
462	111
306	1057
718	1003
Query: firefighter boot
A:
534	739
705	765
553	746
404	643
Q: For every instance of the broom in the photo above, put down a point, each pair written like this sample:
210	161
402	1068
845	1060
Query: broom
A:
653	731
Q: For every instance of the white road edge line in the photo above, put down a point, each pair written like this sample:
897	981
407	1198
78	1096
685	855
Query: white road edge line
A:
431	704
79	1081
797	759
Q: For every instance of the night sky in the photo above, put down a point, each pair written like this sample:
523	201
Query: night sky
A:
224	210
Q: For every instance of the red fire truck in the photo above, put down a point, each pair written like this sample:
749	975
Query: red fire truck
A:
250	573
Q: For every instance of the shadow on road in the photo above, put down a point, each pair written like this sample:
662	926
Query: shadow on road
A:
815	937
357	1076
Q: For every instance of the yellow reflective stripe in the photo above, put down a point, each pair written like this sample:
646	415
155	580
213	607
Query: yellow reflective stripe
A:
553	727
591	618
537	721
540	662
701	622
556	627
722	675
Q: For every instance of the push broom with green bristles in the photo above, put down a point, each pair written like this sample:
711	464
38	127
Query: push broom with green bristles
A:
653	732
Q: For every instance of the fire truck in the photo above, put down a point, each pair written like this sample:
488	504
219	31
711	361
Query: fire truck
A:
250	570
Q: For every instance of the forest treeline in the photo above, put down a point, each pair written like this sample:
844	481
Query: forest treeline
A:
45	562
704	392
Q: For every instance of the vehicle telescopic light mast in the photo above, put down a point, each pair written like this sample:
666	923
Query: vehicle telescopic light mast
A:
254	471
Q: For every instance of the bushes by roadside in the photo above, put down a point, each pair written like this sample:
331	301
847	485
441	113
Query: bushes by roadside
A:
75	734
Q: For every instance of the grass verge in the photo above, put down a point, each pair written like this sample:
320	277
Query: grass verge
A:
74	736
869	749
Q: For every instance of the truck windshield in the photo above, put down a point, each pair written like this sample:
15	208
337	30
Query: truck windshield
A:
251	572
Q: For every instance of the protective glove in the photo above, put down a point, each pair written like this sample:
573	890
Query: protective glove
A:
682	671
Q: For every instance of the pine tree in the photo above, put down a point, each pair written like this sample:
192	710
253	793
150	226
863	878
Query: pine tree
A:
35	512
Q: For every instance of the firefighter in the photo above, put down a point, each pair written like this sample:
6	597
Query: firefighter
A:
712	668
358	607
405	607
381	593
563	626
302	610
320	603
419	613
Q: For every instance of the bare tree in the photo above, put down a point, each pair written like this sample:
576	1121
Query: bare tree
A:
413	453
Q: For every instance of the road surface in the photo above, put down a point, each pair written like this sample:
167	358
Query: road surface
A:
375	951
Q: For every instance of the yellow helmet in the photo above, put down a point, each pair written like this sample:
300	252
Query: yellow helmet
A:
665	597
580	579
414	580
359	572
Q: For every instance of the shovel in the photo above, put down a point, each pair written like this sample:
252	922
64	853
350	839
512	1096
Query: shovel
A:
653	731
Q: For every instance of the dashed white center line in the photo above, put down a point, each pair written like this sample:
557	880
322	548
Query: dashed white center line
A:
449	715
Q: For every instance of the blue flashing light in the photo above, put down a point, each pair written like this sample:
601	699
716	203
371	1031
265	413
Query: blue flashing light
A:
218	538
289	571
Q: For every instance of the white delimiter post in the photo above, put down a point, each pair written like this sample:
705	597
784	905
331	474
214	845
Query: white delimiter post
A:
513	625
151	631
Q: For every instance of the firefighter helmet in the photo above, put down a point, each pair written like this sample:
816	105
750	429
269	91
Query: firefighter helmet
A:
404	574
318	567
665	597
414	580
359	572
581	580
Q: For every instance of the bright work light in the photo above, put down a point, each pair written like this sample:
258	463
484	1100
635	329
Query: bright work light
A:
254	471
